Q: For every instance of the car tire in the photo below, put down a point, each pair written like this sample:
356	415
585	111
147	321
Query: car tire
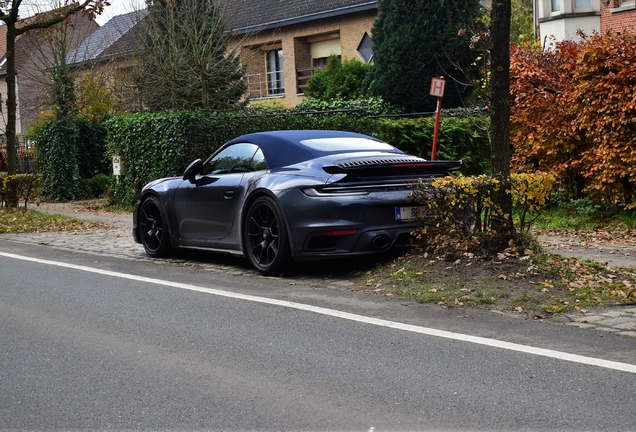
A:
153	228
265	239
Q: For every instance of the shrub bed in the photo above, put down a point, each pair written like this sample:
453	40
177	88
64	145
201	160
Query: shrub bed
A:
18	188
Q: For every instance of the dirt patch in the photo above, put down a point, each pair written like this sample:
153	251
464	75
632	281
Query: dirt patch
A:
538	284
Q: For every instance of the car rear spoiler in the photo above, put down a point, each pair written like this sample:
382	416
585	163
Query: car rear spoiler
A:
397	166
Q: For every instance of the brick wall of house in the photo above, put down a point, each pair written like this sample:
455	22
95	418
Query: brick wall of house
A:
351	29
618	18
302	53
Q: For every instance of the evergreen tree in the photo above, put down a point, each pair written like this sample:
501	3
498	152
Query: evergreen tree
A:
185	61
416	40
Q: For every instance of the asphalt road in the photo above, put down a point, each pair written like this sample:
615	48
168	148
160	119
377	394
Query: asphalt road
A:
102	343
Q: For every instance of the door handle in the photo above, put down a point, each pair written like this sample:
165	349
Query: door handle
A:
228	194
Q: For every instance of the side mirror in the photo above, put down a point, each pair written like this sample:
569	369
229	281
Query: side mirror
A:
192	170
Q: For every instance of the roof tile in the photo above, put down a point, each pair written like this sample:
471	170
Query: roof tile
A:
105	40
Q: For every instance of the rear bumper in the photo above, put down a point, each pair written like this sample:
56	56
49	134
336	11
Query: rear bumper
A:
329	227
362	243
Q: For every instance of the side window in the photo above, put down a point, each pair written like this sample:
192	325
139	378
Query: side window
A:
258	161
233	159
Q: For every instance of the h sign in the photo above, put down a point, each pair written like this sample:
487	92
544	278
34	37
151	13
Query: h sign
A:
116	165
437	87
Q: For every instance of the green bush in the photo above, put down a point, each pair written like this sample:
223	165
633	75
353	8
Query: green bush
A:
584	206
372	105
458	138
91	151
95	187
57	147
339	79
70	151
22	187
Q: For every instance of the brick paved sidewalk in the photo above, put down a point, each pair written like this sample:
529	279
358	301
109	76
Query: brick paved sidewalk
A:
621	320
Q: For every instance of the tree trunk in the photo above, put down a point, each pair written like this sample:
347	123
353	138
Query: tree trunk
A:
500	109
11	101
10	16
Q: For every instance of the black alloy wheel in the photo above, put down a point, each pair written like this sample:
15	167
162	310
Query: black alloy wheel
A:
153	228
266	242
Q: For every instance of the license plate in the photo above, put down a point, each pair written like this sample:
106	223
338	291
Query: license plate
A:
409	213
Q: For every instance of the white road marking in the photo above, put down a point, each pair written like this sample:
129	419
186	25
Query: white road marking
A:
575	358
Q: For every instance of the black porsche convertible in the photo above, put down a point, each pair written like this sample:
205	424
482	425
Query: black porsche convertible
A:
287	195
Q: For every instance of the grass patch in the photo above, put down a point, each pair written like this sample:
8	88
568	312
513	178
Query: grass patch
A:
538	285
19	220
585	217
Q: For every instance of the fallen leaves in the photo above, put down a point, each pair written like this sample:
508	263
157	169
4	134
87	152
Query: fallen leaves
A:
589	239
625	294
18	220
517	279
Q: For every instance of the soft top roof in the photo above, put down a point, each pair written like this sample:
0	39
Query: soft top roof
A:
283	148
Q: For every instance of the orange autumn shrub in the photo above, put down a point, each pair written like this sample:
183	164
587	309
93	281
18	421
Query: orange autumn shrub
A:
572	114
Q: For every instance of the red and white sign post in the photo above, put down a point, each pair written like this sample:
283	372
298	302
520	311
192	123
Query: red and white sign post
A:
437	90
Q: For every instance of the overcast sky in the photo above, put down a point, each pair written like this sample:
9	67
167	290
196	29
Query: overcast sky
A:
118	7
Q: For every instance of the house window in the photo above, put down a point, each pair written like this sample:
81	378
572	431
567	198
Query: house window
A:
556	6
275	77
582	4
365	48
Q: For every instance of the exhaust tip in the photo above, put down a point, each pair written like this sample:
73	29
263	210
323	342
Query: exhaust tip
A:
381	241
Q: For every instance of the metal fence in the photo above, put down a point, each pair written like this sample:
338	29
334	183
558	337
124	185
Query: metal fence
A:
265	85
25	154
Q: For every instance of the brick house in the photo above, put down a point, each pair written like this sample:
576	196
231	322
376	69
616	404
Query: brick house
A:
108	53
33	58
562	19
618	15
281	43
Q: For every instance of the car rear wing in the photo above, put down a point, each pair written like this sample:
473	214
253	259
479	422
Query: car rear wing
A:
399	166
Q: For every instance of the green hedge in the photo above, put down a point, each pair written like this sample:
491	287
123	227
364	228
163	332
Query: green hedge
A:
57	147
91	150
154	145
70	153
458	138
